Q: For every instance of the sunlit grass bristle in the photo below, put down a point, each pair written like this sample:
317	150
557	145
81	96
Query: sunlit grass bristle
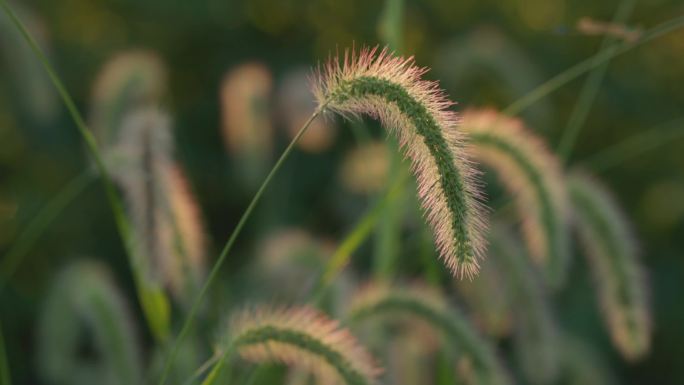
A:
610	247
533	175
305	338
417	111
165	218
428	306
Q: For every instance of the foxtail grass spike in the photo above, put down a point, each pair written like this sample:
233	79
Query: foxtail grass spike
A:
165	219
391	89
535	334
84	297
129	80
534	177
302	337
430	307
610	247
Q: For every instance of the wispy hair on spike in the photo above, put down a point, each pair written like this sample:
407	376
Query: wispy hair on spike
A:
429	306
610	247
84	297
391	89
165	219
533	174
302	337
535	334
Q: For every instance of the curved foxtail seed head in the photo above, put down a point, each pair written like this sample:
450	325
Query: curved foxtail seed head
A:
429	306
304	338
85	297
610	246
129	80
392	90
533	175
167	231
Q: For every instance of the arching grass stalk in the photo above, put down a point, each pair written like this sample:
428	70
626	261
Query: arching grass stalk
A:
299	337
154	303
635	145
591	86
391	89
192	314
40	222
611	250
585	66
429	306
533	175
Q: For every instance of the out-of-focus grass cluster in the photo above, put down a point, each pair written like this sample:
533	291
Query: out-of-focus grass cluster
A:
368	258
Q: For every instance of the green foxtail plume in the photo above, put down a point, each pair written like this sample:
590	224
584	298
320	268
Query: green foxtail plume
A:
85	308
128	81
302	337
535	334
611	250
415	110
430	307
165	219
533	175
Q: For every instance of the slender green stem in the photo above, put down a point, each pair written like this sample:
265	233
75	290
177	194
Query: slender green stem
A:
591	86
229	245
583	67
635	145
39	223
5	378
147	295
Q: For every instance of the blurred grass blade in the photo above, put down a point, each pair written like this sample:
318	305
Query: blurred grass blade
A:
585	66
39	223
390	25
155	306
635	145
354	239
591	86
5	377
